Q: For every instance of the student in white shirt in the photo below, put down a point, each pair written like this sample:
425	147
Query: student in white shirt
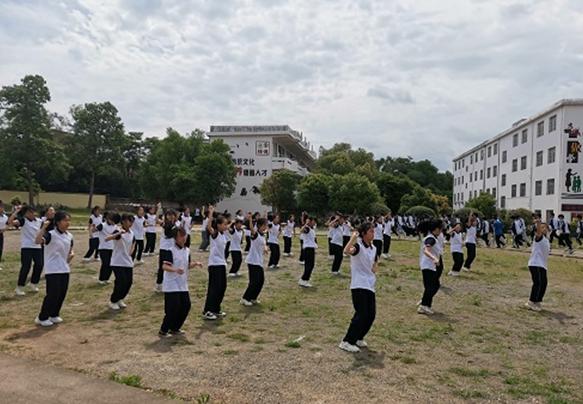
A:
273	232
30	251
457	250
150	225
429	262
289	232
186	224
237	234
106	228
204	244
471	234
303	221
378	235
387	232
166	242
254	262
309	247
227	216
58	253
564	231
363	269
217	266
336	241
3	226
122	264
175	285
138	228
538	265
94	220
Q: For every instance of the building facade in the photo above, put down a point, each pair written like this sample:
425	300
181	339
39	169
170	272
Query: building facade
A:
257	152
534	164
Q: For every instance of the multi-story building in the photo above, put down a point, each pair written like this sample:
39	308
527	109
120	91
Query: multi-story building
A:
534	164
257	152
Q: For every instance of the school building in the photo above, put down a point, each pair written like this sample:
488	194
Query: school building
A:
259	151
534	164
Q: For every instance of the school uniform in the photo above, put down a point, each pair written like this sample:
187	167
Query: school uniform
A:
151	221
387	231
122	265
378	238
429	270
346	233
518	229
440	251
247	240
470	246
485	232
273	244
302	252
138	229
537	265
204	244
94	220
166	243
105	249
457	251
309	249
362	289
227	245
579	233
3	226
235	248
30	252
254	262
186	224
217	269
288	233
336	241
330	252
175	287
565	233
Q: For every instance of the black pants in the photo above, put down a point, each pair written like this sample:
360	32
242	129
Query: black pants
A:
176	309
247	243
579	235
27	257
566	238
386	243
518	240
345	240
204	244
256	281
227	249
458	261
337	252
150	243
237	260
500	240
287	245
302	252
1	245
138	250
93	247
486	239
217	286
274	254
379	245
57	285
431	286
124	277
439	267
539	284
105	269
330	248
471	247
309	262
165	255
187	242
364	304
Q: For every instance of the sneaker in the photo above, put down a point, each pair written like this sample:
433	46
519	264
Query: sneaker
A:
163	334
158	288
209	316
245	302
177	332
33	287
86	259
1	269
271	266
231	275
221	314
290	255
140	262
453	273
335	273
466	269
277	266
424	310
96	259
102	282
304	284
43	323
122	304
361	343
533	306
256	301
570	252
56	320
300	262
385	256
348	347
19	291
114	306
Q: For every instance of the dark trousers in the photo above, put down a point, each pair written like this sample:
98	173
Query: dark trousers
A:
27	257
150	243
204	244
217	286
518	240
486	239
309	262
330	248
124	277
458	261
579	235
247	243
287	245
93	247
471	247
500	240
431	286
364	304
274	254
138	250
386	243
176	309
566	238
57	285
337	252
105	268
256	281
187	242
302	252
379	246
439	267
237	260
539	284
345	240
227	249
165	255
1	245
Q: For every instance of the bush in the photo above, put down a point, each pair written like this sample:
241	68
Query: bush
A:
420	212
379	208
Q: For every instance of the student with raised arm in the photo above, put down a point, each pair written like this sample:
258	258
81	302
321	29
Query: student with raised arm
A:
237	234
254	262
94	220
289	232
336	242
538	265
457	249
429	262
30	251
217	266
122	263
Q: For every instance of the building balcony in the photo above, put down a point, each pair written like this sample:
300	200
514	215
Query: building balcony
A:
280	163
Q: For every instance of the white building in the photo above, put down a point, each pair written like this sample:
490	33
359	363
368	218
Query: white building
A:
535	164
257	152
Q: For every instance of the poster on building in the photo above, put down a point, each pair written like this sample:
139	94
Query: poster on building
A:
262	148
572	168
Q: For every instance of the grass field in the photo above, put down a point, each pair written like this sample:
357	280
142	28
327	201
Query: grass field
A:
482	345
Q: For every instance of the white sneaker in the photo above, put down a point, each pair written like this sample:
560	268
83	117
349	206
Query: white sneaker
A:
221	314
102	282
271	266
96	259
453	273
1	269
466	269
19	291
300	262
209	316
122	304
231	275
290	255
256	301
245	302
44	323
33	287
114	306
361	343
158	288
56	320
424	310
385	256
304	284
345	346
238	274
533	306
140	262
86	259
335	273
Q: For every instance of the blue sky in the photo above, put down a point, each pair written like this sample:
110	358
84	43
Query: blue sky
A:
426	78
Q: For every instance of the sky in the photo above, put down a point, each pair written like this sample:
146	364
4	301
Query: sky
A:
427	79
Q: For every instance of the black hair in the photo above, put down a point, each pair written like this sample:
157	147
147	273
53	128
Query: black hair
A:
127	216
220	219
428	225
169	212
364	228
94	209
60	215
261	222
25	209
178	231
114	217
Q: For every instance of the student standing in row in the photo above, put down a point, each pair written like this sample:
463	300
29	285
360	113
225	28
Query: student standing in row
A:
217	266
429	262
105	229
58	253
204	244
227	216
387	231
309	249
346	232
363	269
378	235
175	285
538	265
186	224
30	251
166	242
330	248
302	237
3	226
457	250
336	241
471	230
150	225
138	229
94	220
237	234
254	262
122	264
518	230
274	230
288	234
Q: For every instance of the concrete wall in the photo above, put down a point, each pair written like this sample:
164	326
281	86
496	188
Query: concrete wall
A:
75	201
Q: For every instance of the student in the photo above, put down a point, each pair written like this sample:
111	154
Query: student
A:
30	251
217	266
387	231
579	229
289	232
346	232
457	250
378	235
274	230
138	230
58	253
175	285
105	229
303	220
166	243
150	225
227	216
309	249
499	233
554	223
204	244
518	229
237	233
330	248
336	240
186	224
564	232
3	226
254	262
485	232
429	262
363	269
537	265
94	220
122	264
471	231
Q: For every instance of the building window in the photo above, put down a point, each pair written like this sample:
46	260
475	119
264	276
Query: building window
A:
513	191
488	171
514	165
538	188
495	149
523	163
472	159
552	123
489	151
494	171
551	186
476	175
540	129
488	190
503	180
525	136
523	189
463	162
476	157
494	192
502	202
515	140
504	156
481	174
482	155
551	156
539	158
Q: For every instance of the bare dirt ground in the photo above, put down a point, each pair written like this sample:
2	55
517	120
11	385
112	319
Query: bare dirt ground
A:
482	345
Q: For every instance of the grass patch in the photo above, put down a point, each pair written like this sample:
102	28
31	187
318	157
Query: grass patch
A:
128	380
239	337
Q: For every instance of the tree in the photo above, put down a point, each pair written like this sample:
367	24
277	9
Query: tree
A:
485	203
419	197
393	187
314	193
280	189
442	204
25	134
214	173
342	160
420	212
354	194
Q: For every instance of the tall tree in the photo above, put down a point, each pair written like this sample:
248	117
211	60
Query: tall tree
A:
353	194
314	193
280	189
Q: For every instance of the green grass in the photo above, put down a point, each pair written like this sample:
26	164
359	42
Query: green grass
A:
128	380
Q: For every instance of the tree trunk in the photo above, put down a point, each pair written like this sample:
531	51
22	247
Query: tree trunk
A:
91	186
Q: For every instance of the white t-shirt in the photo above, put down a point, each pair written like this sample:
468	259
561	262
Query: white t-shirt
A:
378	231
236	239
255	256
172	281
388	227
29	229
471	235
424	261
346	229
309	238
56	252
95	220
186	223
539	255
361	264
138	227
456	242
3	221
106	229
288	230
151	223
273	233
218	241
122	250
336	235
